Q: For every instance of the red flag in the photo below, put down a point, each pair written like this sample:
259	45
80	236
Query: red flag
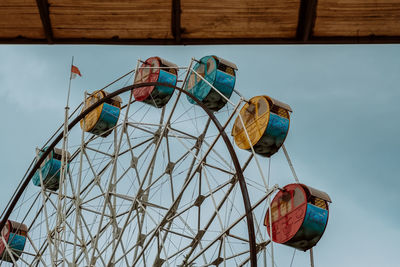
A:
74	72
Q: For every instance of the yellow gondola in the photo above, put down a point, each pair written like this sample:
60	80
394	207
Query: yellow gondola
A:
102	119
267	123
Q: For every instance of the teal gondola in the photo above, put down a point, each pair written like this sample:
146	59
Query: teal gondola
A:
50	169
219	73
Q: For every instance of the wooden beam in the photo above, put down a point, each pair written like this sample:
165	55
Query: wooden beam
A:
212	41
176	20
43	7
307	15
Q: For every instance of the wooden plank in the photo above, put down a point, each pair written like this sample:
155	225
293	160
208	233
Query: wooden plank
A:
108	26
202	22
239	19
358	18
20	19
111	19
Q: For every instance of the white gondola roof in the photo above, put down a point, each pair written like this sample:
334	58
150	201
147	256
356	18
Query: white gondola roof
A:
227	63
280	104
115	98
167	63
59	152
18	226
318	193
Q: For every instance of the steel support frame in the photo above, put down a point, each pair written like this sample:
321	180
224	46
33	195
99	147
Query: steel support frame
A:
241	179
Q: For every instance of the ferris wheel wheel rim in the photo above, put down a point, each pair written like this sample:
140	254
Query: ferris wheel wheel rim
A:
74	122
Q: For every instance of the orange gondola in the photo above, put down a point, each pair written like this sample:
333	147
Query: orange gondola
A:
266	124
103	118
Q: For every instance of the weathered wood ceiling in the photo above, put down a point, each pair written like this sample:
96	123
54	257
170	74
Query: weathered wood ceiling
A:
199	22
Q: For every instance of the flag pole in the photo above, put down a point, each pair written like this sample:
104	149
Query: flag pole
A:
64	163
69	86
65	135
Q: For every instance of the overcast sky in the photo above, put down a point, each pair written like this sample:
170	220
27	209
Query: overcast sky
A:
344	135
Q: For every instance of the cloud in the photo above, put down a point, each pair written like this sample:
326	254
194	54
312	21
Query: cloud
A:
29	83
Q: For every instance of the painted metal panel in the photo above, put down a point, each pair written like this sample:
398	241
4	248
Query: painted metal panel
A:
169	78
224	83
148	72
5	232
44	172
285	227
255	122
50	175
196	86
52	180
91	119
312	229
17	242
274	135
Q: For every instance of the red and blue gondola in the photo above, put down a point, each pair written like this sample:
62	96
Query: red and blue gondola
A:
155	69
14	235
299	216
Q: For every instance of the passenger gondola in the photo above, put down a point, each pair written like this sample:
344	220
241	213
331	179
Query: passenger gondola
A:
156	69
219	73
14	235
299	216
50	170
266	121
103	118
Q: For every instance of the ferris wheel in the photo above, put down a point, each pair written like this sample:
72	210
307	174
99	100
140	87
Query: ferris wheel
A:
165	166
